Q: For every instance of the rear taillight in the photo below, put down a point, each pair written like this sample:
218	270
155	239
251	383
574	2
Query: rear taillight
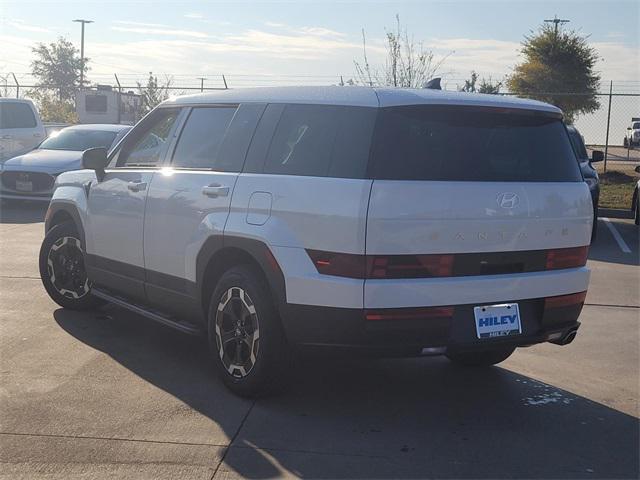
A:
424	313
567	258
338	264
561	301
409	266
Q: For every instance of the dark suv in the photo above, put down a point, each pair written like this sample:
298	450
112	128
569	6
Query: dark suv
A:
588	172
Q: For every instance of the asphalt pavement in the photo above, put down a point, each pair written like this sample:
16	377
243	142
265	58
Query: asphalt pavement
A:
108	394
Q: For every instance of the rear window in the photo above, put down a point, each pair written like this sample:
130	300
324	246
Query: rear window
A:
578	145
459	143
16	115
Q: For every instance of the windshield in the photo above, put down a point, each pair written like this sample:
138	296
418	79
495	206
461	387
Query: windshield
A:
578	145
78	140
636	126
459	143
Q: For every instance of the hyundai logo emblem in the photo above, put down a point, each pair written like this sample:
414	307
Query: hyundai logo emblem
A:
508	200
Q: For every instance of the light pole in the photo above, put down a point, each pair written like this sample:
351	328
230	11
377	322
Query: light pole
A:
81	21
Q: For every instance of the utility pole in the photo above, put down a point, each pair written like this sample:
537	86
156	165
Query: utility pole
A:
202	79
555	20
81	21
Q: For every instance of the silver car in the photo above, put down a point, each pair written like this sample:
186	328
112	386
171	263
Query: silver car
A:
31	176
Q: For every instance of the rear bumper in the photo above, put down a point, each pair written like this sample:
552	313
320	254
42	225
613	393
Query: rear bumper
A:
347	329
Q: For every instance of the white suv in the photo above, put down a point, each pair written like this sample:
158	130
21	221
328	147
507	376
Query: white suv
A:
341	217
21	128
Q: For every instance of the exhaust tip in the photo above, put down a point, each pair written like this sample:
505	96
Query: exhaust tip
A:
569	337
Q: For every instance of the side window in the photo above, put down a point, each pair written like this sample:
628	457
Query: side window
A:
16	115
202	136
147	146
321	140
302	141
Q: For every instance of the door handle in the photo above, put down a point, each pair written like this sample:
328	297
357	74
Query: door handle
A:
215	190
137	186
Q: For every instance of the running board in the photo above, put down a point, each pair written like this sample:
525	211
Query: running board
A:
184	327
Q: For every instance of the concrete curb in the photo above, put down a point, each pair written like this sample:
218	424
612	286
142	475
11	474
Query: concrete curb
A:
614	213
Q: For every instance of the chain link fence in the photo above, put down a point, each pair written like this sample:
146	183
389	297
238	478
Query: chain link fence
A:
604	129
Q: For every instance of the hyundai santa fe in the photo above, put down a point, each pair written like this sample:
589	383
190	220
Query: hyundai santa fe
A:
270	220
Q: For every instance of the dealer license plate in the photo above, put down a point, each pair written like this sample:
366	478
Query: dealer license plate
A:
497	320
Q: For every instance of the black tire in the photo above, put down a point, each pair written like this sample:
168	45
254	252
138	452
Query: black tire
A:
484	358
62	254
263	363
625	142
594	228
636	210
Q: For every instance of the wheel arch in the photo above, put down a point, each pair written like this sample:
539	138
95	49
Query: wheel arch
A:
60	213
218	254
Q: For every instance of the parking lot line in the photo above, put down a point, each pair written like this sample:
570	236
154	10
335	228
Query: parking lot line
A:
621	243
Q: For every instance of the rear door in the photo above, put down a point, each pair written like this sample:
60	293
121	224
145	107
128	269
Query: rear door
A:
116	205
454	179
189	200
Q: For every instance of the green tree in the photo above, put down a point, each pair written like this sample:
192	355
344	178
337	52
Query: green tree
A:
558	68
486	86
57	66
54	110
408	63
153	92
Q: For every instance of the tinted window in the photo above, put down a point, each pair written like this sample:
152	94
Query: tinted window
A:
319	140
201	137
16	115
472	144
578	145
78	140
148	144
95	103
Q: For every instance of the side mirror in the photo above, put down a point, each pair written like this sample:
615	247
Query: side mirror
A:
95	159
597	156
628	128
637	169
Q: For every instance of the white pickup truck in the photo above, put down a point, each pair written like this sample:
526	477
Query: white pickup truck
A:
21	128
632	137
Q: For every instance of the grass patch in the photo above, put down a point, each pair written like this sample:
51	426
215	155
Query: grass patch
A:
616	188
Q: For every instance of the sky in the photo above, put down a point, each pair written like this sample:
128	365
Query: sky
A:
306	41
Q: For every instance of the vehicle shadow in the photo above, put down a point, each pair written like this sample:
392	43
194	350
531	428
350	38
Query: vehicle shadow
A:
606	249
21	212
395	418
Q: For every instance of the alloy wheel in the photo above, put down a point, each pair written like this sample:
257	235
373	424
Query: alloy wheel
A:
65	265
237	332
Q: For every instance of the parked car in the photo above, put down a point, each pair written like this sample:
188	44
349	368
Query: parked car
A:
31	176
275	219
635	202
632	137
589	173
21	129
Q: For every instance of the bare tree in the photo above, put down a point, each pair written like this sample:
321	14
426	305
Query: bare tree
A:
408	63
486	86
154	92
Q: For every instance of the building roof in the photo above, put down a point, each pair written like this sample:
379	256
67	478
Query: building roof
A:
359	96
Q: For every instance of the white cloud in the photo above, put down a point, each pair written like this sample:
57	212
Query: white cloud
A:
196	16
161	31
21	25
141	24
618	61
274	24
